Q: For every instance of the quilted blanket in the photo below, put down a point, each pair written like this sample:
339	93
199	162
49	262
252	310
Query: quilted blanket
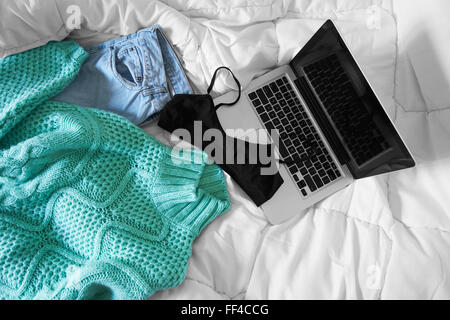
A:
386	237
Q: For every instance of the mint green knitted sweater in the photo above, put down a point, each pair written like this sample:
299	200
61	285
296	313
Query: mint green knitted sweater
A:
90	205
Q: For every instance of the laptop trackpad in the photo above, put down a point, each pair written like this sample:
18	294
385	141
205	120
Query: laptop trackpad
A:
240	117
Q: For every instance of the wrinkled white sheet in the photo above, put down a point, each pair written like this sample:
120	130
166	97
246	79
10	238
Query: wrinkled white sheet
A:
386	237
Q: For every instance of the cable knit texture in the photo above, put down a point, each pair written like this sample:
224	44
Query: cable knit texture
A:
90	205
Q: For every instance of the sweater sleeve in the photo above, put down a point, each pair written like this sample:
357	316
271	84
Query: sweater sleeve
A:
188	191
34	77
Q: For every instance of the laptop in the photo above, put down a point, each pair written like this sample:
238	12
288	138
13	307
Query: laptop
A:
332	128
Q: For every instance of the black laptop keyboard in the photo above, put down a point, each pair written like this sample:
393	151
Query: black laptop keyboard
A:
351	118
301	147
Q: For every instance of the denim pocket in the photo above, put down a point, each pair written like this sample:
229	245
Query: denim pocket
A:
127	67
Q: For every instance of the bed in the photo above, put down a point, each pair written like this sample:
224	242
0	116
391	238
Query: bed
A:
385	237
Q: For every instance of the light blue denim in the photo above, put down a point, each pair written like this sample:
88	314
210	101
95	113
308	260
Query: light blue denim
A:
133	76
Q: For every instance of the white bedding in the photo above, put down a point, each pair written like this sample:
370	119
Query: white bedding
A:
386	237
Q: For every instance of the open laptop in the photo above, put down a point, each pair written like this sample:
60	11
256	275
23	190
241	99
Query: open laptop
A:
332	127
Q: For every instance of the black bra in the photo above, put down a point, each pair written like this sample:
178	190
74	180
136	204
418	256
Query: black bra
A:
181	113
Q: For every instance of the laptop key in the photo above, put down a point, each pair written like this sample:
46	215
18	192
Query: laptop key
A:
286	97
302	184
291	103
310	183
331	174
268	92
261	96
274	87
293	170
264	117
304	193
269	126
283	151
256	102
252	96
317	181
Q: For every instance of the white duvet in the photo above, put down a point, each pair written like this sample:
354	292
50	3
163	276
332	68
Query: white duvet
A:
386	237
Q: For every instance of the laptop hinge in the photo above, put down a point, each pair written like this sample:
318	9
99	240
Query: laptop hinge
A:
322	120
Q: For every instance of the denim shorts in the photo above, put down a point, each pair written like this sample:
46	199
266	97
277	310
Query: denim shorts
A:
133	76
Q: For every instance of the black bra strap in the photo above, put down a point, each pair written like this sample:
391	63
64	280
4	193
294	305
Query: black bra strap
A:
213	80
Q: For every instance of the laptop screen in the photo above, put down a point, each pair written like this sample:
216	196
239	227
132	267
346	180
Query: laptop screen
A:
346	108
